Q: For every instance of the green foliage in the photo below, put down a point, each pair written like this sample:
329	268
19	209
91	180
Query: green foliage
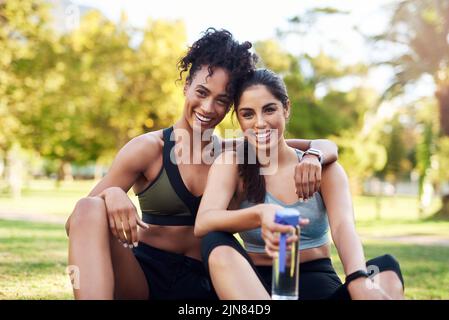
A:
273	57
79	96
396	142
22	31
419	30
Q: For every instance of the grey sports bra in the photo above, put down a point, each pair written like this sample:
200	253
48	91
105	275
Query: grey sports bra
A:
315	234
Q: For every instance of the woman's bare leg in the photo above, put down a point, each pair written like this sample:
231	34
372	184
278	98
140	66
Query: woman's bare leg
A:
390	284
233	277
106	269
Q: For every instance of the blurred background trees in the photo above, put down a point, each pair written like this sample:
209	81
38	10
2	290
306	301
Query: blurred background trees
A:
78	96
70	98
419	32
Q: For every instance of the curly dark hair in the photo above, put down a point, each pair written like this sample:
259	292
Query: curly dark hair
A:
218	48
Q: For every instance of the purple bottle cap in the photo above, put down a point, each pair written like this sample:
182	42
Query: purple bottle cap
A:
287	216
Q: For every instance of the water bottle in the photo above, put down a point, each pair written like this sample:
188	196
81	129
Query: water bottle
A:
286	265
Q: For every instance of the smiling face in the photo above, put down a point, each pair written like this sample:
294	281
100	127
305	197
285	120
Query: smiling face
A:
262	117
206	100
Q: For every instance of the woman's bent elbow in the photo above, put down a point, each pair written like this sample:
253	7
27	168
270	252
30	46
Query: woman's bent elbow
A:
199	230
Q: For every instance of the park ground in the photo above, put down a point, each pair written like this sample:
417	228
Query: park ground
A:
33	244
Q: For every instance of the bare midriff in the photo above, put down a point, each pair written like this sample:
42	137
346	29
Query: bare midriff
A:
176	239
263	259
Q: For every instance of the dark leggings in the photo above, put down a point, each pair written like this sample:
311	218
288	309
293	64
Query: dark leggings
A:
317	279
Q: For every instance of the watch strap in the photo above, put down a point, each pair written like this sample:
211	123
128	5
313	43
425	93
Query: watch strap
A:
355	275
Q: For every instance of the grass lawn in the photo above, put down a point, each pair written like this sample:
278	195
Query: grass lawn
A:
425	269
33	256
42	197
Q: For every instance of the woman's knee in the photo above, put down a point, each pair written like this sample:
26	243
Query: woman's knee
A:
215	239
88	211
389	267
223	257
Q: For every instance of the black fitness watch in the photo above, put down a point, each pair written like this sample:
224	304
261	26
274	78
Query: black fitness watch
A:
355	275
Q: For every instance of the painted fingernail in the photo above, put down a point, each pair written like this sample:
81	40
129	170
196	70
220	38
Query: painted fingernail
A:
125	245
130	246
136	244
301	200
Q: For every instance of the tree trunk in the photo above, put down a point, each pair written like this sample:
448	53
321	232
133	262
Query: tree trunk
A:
2	163
442	95
14	171
64	173
443	213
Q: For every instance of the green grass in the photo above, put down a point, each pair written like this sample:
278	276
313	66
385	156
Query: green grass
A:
42	197
390	228
33	256
391	208
425	269
33	260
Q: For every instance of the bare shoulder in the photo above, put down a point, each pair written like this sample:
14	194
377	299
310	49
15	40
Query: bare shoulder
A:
148	144
141	150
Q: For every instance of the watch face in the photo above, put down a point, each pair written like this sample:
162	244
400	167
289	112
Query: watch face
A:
317	153
314	152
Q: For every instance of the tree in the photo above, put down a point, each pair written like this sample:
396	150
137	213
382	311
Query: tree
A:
24	33
419	30
398	146
97	90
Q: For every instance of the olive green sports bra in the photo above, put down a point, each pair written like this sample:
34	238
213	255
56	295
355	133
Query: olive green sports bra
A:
167	201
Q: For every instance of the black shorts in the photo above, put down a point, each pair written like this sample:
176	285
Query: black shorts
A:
317	279
172	276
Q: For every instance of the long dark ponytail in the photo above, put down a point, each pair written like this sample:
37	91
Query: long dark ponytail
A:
249	170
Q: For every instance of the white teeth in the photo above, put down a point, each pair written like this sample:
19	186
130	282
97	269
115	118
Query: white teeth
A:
202	118
263	135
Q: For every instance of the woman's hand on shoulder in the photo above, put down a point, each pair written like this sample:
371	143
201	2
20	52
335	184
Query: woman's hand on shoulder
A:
307	177
122	216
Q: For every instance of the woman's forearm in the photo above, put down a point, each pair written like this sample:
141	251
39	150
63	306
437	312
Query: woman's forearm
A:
338	201
327	147
231	221
349	248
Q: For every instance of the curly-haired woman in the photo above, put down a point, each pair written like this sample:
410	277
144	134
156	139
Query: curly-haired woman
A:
165	257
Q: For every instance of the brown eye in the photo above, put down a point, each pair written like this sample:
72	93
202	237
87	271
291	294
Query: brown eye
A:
223	103
201	93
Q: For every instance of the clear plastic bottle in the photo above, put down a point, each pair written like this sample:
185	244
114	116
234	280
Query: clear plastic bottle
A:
286	265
